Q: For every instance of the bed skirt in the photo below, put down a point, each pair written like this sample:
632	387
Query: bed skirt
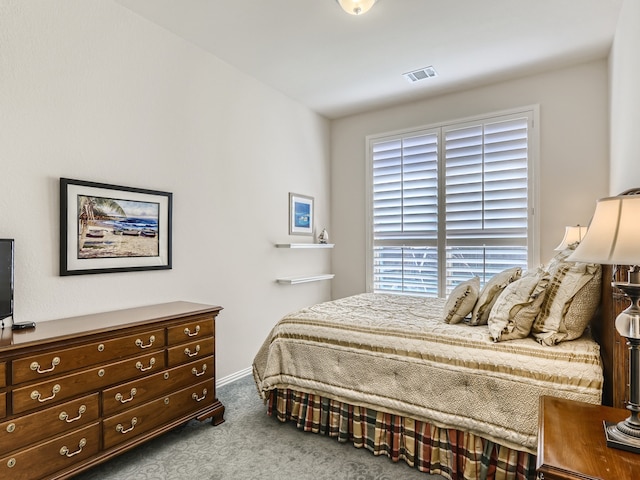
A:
454	454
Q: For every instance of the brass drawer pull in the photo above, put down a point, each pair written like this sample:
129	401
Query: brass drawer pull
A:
65	417
35	366
199	399
64	451
188	352
11	428
121	429
194	370
35	395
152	362
188	333
140	344
120	398
11	463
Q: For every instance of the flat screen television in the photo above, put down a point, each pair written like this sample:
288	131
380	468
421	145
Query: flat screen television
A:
6	277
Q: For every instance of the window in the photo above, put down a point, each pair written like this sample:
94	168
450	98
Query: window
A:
450	202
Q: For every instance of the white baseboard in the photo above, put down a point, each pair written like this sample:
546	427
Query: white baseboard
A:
233	377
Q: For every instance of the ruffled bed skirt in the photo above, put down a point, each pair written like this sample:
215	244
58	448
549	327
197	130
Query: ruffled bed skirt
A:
454	454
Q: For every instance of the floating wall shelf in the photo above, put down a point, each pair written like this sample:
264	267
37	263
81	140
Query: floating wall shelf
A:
304	245
310	278
306	278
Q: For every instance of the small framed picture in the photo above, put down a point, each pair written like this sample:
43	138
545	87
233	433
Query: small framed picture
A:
110	228
300	214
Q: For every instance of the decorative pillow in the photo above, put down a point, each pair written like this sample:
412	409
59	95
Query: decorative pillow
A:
490	293
558	260
517	307
572	297
461	300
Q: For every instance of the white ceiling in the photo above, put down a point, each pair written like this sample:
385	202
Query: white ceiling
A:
339	64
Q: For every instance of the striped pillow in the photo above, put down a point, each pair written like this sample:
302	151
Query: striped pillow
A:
572	298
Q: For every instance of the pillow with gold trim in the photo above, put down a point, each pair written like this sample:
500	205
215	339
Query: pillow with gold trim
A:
517	307
461	300
490	292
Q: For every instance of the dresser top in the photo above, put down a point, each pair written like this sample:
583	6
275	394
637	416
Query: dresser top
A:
73	327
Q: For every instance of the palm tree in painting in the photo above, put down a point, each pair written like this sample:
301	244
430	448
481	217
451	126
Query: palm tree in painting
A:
92	208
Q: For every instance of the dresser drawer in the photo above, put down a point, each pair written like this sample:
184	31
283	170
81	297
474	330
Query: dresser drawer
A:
127	425
55	362
18	432
57	389
190	351
142	390
57	454
194	328
3	405
3	374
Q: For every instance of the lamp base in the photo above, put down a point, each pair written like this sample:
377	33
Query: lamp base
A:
622	436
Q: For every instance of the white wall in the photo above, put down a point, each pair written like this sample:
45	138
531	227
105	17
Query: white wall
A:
624	63
574	148
91	91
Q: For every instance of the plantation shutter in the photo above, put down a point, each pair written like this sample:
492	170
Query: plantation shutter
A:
405	207
484	205
486	181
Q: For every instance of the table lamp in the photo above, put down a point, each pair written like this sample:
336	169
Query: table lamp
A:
613	238
573	235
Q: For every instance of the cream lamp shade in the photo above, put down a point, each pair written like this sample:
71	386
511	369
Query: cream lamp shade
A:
572	235
356	7
613	237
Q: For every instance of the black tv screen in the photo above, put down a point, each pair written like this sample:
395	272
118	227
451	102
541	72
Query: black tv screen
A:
6	277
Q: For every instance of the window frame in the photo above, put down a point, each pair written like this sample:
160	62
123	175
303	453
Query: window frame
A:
533	181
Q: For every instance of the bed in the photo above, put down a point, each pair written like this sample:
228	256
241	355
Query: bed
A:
388	373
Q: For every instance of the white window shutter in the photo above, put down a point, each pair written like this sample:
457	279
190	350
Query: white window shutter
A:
485	202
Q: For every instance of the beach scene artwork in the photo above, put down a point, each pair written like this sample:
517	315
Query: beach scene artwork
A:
115	228
302	215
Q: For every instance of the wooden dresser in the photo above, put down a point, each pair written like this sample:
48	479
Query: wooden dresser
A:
78	391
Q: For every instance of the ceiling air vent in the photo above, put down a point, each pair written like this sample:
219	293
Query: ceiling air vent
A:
423	73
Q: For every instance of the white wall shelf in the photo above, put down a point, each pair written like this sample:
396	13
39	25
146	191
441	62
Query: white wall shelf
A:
305	279
304	245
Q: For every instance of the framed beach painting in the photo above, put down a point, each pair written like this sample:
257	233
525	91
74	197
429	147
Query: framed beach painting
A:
300	214
109	228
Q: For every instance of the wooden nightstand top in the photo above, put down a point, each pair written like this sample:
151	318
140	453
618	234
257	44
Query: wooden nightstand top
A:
572	444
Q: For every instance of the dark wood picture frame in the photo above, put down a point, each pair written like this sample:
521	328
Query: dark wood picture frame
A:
108	228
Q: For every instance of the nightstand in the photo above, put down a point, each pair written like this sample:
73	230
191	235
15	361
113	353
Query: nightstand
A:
572	445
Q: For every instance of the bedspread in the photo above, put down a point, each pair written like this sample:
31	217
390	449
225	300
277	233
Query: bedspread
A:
395	354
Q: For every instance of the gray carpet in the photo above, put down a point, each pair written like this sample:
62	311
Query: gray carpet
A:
249	445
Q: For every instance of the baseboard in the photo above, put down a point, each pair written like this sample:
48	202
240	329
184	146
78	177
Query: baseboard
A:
233	377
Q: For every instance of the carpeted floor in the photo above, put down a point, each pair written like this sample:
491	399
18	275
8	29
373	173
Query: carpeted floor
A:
249	445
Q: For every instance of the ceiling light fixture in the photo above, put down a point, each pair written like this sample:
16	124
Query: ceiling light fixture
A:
356	7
